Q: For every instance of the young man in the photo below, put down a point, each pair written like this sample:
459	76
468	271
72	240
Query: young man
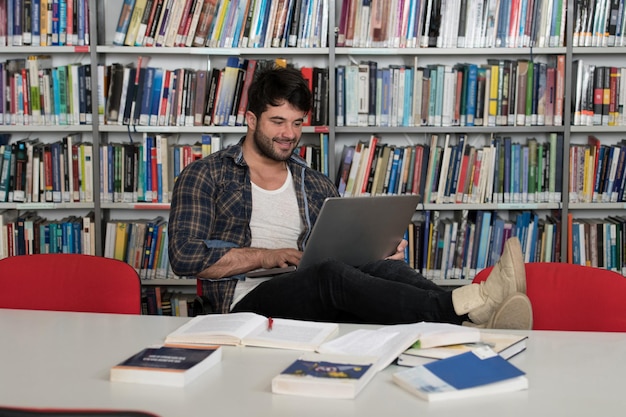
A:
253	205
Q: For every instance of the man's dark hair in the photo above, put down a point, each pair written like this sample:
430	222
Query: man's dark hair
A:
272	85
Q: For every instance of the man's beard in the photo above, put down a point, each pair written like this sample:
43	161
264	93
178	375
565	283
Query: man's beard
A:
265	146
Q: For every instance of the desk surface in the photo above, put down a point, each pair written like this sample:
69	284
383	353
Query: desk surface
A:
50	359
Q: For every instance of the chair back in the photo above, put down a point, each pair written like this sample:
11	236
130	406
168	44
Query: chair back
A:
574	297
69	282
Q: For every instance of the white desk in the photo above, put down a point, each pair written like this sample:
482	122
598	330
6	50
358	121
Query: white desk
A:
50	359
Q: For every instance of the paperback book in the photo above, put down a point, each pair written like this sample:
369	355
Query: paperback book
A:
171	365
478	372
326	376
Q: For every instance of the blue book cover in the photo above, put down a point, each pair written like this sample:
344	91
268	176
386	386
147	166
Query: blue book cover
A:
36	22
177	166
17	22
386	99
472	91
425	240
81	16
149	144
506	186
619	175
432	94
146	97
157	85
393	176
76	243
44	237
407	117
576	244
111	176
175	365
477	372
515	175
63	22
52	234
497	241
458	156
68	236
122	23
324	369
153	243
484	239
439	92
503	24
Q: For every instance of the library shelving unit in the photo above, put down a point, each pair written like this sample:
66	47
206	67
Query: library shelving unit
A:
103	51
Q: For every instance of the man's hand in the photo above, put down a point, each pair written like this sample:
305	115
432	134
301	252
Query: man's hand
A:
399	255
242	260
280	258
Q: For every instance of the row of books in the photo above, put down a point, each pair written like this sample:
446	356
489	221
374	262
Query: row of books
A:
28	233
146	171
461	246
150	96
44	23
599	23
598	242
141	243
598	95
139	172
501	92
456	171
35	172
223	24
452	23
160	301
34	93
597	172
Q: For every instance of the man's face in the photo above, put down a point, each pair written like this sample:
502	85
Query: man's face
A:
278	131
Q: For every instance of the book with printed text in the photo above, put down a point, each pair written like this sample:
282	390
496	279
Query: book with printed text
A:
326	376
252	329
170	365
471	374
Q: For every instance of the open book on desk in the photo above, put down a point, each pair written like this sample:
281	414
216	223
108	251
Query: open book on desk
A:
388	342
506	345
252	329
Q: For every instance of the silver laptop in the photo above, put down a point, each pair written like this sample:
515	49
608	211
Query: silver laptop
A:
355	230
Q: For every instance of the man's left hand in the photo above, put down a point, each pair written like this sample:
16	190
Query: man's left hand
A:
399	255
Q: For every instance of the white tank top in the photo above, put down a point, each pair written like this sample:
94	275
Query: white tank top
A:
274	223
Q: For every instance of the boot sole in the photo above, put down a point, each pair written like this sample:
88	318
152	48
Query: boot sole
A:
515	312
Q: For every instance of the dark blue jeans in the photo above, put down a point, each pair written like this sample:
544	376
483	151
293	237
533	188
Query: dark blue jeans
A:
381	292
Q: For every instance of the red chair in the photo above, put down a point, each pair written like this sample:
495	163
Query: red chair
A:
69	282
574	297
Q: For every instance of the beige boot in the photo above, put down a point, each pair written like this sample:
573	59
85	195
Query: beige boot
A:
508	276
515	312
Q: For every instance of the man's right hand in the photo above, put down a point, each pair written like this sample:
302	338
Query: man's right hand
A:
280	258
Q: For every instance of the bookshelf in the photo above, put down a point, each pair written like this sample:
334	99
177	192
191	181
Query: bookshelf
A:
103	18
